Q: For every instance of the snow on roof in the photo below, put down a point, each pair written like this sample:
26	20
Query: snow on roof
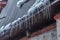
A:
2	28
16	21
7	26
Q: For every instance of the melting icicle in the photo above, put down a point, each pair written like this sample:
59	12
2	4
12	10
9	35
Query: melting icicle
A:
48	9
26	25
45	10
35	9
14	26
22	19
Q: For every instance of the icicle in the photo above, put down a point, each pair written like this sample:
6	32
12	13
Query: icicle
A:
45	10
14	26
27	34
35	9
39	6
48	10
19	24
23	19
20	3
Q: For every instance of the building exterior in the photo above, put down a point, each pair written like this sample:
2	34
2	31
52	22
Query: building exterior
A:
36	22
